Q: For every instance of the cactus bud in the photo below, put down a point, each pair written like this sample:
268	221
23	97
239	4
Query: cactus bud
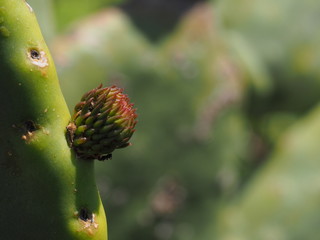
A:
103	121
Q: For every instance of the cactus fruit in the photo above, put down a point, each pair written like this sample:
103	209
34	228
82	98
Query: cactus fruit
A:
103	121
47	191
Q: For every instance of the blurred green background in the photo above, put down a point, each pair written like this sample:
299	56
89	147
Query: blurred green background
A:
228	140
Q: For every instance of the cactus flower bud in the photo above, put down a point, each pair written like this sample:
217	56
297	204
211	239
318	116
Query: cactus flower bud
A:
103	121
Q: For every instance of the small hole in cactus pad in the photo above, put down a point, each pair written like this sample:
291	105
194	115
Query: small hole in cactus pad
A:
85	215
38	57
35	54
30	126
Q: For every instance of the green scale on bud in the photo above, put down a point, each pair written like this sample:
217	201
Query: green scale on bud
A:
103	121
